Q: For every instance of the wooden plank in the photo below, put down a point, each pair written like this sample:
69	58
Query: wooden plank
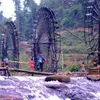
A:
95	71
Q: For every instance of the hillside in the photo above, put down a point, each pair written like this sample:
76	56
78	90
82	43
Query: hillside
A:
74	50
70	43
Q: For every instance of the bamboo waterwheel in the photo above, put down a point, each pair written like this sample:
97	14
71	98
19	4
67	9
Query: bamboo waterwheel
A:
92	31
10	43
46	39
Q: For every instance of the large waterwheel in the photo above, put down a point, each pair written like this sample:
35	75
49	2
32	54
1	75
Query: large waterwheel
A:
92	30
46	39
10	43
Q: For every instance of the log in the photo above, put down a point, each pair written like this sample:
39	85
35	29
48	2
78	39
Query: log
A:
33	72
60	78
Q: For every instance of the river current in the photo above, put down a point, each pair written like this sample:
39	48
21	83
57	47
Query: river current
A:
35	88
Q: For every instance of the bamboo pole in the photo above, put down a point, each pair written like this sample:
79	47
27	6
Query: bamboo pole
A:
18	62
62	59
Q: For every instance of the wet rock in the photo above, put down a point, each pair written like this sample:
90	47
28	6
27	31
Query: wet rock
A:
56	85
93	77
60	78
10	97
31	96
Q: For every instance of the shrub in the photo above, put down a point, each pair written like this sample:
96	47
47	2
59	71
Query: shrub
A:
72	68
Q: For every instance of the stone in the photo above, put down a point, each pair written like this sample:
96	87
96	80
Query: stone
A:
10	97
60	78
93	77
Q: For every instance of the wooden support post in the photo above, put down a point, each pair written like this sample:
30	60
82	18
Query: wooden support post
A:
62	60
99	40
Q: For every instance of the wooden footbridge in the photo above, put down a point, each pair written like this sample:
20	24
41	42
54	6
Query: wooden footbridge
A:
9	70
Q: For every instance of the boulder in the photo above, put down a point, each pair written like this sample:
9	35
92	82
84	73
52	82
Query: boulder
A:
55	85
60	78
93	77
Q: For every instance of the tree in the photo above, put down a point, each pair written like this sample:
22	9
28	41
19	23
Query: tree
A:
24	17
69	12
30	8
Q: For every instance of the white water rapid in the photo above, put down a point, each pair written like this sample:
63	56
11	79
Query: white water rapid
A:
35	88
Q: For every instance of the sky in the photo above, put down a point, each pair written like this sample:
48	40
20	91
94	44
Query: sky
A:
7	7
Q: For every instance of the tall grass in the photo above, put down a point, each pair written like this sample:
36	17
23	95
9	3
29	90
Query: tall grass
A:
24	58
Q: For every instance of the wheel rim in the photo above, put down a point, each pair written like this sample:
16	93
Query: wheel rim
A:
11	50
91	27
45	38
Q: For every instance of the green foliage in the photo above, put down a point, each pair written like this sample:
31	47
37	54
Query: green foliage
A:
25	17
64	20
24	58
59	68
69	12
79	49
76	46
72	68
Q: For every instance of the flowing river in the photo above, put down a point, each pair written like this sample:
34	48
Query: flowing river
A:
35	88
